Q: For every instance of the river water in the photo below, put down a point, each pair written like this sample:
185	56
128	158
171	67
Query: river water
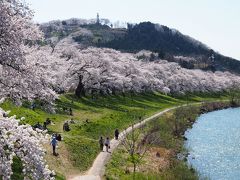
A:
214	145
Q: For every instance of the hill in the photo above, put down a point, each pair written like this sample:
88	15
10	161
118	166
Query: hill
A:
164	42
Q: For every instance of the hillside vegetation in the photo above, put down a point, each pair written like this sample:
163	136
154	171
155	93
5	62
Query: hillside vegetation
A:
159	151
106	113
167	43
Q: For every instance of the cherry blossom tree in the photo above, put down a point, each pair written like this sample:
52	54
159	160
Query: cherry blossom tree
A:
23	142
18	34
16	30
20	80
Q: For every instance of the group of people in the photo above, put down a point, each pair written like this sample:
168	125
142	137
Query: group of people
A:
68	110
102	142
106	142
44	126
46	123
57	137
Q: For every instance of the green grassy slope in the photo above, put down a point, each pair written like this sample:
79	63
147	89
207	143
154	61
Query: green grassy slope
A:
120	166
80	145
165	142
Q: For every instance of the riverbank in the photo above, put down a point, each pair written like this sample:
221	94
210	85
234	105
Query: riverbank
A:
166	156
80	146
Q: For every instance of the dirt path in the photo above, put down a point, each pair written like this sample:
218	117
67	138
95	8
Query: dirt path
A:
98	168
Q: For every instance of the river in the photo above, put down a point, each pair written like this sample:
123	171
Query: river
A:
214	145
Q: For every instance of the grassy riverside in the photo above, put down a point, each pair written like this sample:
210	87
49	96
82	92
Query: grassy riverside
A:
169	144
80	146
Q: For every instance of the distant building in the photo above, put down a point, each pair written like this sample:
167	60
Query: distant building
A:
98	19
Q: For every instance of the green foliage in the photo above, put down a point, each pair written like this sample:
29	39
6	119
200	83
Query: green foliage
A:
82	151
17	169
100	34
180	171
60	177
105	114
234	95
148	36
164	130
31	116
111	112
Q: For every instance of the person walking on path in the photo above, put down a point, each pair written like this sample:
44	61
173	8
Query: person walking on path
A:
116	134
107	143
70	112
101	143
54	144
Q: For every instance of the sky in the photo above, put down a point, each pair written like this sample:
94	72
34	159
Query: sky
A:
216	23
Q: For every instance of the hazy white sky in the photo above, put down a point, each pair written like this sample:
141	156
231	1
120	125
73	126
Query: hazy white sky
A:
214	22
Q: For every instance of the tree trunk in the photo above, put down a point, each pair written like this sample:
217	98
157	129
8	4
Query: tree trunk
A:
101	92
134	170
92	93
114	91
80	91
131	94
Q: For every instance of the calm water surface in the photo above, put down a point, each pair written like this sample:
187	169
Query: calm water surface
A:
214	145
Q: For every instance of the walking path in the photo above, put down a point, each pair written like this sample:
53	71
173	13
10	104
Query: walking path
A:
98	168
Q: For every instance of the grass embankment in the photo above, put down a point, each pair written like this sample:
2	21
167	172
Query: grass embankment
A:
167	135
80	145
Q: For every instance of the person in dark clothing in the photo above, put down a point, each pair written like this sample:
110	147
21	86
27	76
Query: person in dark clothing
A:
44	125
48	121
70	112
116	134
107	143
54	144
5	115
66	126
101	143
33	106
72	121
59	137
38	125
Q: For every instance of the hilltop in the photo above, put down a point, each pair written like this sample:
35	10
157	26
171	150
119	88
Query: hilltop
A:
161	41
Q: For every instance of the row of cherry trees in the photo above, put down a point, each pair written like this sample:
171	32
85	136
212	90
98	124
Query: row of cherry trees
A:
107	71
29	71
